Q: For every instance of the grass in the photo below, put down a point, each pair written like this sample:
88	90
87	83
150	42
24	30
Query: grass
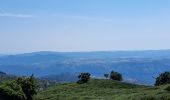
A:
98	89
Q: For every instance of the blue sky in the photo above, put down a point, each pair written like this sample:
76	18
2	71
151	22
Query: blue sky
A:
83	25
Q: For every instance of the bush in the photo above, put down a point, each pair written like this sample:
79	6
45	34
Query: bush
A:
84	78
163	78
29	86
11	91
106	75
167	88
115	76
23	88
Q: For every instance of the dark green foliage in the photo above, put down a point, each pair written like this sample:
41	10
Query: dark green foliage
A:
84	78
29	86
163	78
106	75
167	88
115	76
23	88
11	91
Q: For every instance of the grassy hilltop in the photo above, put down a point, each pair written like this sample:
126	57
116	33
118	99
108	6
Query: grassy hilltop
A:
100	89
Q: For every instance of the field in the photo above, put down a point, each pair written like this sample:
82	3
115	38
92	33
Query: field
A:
103	89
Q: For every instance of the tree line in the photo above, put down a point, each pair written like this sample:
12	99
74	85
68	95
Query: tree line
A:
85	77
163	78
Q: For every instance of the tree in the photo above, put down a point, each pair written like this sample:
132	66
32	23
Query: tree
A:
115	76
29	86
10	90
22	88
163	78
84	78
106	75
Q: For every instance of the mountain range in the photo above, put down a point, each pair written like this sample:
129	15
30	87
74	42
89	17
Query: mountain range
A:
136	66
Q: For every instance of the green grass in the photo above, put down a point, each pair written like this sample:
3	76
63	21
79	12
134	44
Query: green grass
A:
103	90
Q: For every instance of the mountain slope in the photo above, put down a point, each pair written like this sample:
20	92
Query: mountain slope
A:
136	66
103	90
61	78
5	77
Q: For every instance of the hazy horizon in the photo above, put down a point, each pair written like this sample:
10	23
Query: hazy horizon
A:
76	26
15	53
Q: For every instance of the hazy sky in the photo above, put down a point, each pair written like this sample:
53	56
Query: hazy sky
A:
83	25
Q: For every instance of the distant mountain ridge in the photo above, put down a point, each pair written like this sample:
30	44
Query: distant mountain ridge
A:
116	54
134	65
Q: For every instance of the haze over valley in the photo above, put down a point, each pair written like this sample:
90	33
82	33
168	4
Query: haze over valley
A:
84	49
136	66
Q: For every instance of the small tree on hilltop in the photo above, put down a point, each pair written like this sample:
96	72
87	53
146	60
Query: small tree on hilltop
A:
84	78
115	76
163	78
106	75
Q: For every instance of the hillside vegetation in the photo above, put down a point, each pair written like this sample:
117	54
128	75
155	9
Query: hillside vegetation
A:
100	89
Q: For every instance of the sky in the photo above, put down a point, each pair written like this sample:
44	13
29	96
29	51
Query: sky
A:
83	25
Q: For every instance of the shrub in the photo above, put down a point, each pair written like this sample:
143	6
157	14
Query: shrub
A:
115	76
106	75
84	78
22	88
167	88
11	91
28	85
163	78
